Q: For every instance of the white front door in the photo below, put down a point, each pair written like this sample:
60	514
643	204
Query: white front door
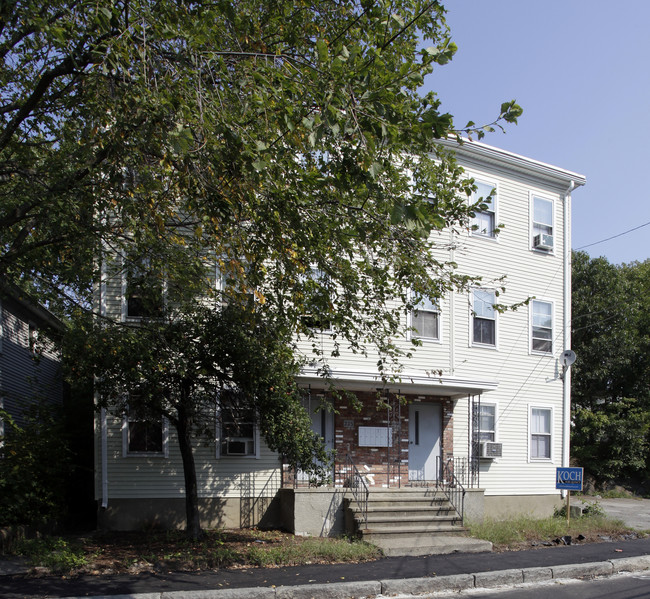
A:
425	427
322	423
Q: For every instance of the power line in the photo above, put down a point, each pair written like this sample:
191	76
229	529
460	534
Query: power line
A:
613	236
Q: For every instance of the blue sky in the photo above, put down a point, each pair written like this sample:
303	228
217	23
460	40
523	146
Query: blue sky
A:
581	71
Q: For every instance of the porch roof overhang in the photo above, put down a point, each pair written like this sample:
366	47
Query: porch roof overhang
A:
408	384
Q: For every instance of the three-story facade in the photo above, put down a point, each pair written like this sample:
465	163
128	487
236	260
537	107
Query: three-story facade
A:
485	396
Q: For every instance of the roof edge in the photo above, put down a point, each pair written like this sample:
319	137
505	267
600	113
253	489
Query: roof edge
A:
518	162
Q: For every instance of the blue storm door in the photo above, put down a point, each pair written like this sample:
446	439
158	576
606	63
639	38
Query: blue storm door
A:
425	428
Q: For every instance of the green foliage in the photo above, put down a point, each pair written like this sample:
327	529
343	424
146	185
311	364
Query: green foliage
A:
592	509
610	379
54	553
34	466
267	139
611	439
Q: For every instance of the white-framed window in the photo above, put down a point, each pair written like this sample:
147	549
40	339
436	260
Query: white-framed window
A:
541	326
487	422
144	436
316	286
542	223
541	427
143	289
483	223
237	433
425	320
483	318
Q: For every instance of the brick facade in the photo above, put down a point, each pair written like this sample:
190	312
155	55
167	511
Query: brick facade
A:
384	466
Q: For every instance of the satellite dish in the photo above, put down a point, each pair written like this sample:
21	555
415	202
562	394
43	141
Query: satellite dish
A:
568	357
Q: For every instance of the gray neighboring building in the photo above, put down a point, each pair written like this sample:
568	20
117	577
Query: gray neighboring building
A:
30	365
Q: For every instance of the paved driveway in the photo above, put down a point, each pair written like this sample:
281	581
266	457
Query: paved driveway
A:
634	512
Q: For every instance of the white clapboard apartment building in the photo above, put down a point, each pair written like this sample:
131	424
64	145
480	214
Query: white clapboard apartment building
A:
485	400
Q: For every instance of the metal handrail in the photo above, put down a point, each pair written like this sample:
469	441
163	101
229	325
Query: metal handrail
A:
359	489
448	482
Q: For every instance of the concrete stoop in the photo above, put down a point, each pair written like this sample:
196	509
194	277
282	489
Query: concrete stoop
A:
416	521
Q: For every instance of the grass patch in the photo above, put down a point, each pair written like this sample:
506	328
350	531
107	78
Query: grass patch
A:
524	530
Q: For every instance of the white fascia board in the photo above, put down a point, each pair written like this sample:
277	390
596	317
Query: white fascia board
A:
404	383
492	155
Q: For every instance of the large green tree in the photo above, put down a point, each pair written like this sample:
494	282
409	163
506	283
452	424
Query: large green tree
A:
285	141
610	380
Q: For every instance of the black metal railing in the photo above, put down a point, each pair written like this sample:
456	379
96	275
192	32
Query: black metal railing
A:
450	473
358	487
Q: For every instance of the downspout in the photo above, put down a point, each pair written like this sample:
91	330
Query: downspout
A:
566	379
104	457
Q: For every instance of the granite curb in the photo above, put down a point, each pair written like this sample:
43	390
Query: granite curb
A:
413	586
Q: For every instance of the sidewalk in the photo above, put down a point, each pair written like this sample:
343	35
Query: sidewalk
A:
386	576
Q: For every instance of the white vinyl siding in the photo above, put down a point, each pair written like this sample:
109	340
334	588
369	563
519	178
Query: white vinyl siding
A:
143	476
524	378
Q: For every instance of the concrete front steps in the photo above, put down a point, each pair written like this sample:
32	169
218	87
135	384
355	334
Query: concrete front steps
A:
414	521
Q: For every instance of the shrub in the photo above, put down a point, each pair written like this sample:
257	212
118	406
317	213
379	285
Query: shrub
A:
34	468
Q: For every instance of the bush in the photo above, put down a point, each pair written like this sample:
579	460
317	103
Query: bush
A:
54	553
34	467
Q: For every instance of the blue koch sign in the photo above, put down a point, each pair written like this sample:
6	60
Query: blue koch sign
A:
569	479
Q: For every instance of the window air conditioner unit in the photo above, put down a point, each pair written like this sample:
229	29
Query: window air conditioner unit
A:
543	242
490	450
236	446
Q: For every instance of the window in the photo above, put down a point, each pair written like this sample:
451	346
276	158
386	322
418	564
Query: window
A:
483	222
144	289
540	433
425	320
143	435
317	297
487	418
237	434
542	225
542	326
483	317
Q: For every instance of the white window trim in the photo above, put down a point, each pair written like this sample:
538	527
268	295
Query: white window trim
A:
144	454
217	435
530	327
537	406
410	334
495	210
496	419
531	231
473	343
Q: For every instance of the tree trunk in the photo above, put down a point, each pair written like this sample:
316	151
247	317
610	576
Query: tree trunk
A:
184	429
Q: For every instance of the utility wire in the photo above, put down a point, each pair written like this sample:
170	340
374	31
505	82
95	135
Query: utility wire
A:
613	236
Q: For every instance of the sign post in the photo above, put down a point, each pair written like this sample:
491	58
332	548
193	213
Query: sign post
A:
569	479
